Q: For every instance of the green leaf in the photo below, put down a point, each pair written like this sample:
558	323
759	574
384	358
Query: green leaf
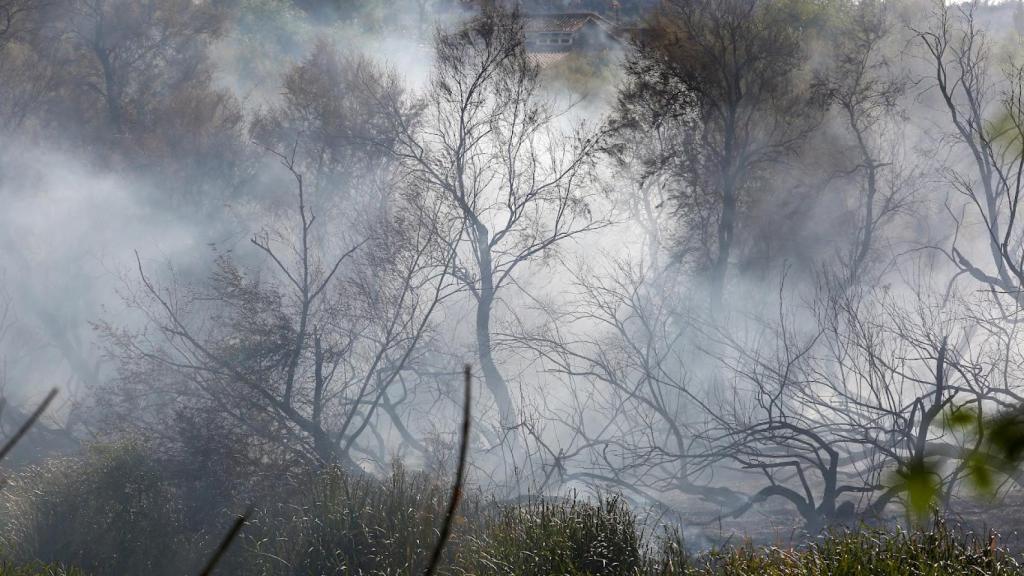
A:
921	481
1005	435
981	474
961	418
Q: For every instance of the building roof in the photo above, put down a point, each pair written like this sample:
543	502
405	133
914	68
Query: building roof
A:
546	59
569	22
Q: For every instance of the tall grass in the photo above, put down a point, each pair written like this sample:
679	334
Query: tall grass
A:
571	537
331	523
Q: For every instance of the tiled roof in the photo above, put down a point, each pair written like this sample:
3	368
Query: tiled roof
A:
563	22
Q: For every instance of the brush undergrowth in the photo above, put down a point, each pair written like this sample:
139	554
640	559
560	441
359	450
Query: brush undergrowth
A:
118	511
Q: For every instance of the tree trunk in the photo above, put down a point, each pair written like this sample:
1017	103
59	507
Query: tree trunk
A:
726	228
728	172
492	376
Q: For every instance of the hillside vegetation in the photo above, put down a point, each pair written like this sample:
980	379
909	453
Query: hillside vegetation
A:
116	511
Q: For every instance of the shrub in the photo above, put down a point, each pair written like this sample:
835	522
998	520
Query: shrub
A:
108	512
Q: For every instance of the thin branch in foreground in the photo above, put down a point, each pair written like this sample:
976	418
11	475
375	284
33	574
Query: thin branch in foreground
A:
236	528
460	473
32	419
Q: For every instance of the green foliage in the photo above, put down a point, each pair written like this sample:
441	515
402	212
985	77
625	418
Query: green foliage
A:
994	448
921	482
1003	437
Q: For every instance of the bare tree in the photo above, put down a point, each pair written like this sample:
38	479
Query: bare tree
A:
514	187
303	356
828	406
636	409
986	116
832	417
866	88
